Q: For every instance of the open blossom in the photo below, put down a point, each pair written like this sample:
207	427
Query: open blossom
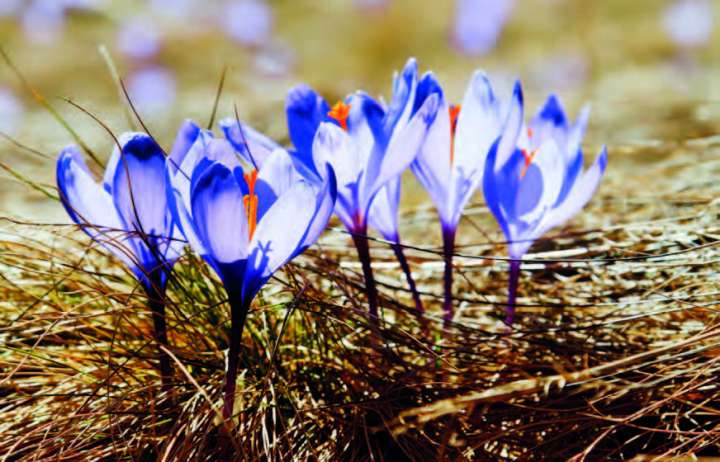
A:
127	213
245	223
368	145
534	179
451	161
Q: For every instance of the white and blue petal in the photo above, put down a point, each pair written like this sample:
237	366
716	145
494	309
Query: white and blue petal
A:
253	146
581	192
91	206
305	110
383	214
279	235
219	219
402	150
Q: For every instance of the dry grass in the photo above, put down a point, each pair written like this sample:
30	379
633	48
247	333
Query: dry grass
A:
614	355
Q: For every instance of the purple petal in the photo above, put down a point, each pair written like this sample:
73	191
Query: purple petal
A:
219	218
478	126
333	146
383	214
253	146
279	235
139	187
401	151
325	205
185	138
276	176
512	127
581	193
90	204
403	97
305	110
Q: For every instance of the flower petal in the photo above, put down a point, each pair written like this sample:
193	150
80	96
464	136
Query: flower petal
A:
90	205
253	146
279	235
383	214
401	151
581	193
478	126
403	97
184	140
511	128
305	110
112	163
219	216
333	146
139	187
365	125
276	176
325	204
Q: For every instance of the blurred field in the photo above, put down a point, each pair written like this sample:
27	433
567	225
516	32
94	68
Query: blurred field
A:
647	95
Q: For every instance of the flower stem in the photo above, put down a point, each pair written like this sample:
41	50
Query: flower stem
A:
156	303
512	290
400	254
363	249
448	235
238	312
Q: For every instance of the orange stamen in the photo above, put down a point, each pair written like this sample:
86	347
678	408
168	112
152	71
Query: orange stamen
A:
530	132
250	201
340	112
454	112
528	160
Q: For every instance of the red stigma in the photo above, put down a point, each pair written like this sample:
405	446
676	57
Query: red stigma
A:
453	112
340	112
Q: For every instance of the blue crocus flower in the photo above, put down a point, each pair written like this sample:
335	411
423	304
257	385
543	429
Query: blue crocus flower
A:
128	214
368	145
534	179
450	163
245	224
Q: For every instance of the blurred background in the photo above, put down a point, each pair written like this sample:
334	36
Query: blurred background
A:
650	68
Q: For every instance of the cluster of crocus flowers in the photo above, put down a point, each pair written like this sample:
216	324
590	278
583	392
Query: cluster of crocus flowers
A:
245	221
248	205
369	146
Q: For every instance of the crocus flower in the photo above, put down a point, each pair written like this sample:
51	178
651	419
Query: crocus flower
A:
128	214
478	24
368	145
245	224
534	179
450	163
